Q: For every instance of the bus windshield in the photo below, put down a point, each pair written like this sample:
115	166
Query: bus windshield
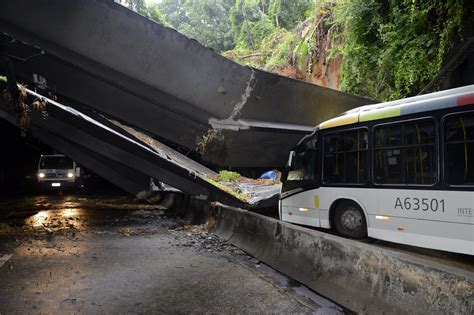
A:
56	162
304	166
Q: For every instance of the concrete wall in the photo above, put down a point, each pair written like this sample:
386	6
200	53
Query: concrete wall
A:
359	276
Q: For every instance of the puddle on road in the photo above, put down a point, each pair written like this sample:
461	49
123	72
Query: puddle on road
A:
54	220
67	215
38	219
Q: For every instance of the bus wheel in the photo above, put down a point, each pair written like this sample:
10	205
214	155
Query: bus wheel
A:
349	220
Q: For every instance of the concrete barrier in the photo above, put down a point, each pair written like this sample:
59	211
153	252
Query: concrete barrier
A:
361	277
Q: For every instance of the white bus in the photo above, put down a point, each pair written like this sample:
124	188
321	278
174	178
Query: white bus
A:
400	171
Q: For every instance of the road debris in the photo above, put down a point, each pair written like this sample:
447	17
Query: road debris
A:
251	191
120	256
6	230
125	231
199	237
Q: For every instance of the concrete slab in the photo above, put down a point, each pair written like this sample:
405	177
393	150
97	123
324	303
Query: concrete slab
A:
93	140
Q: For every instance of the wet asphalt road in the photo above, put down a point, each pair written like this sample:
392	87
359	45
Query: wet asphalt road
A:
116	255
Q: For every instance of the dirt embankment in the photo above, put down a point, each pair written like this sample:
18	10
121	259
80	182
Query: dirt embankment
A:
317	66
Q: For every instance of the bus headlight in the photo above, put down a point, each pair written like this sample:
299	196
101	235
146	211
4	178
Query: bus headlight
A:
70	175
41	175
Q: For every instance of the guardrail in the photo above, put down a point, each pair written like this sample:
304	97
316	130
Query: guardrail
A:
359	276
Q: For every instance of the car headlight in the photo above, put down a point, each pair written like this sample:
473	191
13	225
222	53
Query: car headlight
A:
40	175
70	175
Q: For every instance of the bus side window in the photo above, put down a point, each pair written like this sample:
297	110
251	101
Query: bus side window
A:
333	158
405	153
459	149
345	157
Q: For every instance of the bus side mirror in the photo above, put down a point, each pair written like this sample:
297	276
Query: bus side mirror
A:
289	165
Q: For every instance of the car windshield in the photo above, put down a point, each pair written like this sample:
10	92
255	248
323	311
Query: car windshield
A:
56	162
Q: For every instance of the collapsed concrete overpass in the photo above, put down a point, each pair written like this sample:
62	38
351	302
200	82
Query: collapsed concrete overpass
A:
128	81
102	55
129	158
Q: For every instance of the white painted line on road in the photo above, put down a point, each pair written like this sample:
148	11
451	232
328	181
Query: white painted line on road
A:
4	259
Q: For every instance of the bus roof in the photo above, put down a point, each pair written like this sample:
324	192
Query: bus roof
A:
418	104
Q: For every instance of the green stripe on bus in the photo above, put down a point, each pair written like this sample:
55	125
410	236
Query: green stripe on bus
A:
380	113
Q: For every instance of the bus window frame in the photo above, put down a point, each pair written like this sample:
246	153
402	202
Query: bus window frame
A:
444	144
288	170
323	154
304	184
437	150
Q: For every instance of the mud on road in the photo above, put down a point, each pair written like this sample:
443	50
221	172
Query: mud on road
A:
117	255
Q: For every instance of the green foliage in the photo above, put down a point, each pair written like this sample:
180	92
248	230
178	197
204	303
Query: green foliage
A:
287	13
228	176
250	23
138	6
230	190
154	13
303	50
151	11
277	49
207	21
274	52
264	31
254	20
391	49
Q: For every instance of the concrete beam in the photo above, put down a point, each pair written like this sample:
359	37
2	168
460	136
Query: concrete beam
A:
135	154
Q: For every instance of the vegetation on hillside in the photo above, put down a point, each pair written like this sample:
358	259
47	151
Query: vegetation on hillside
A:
388	48
393	48
266	31
151	11
205	20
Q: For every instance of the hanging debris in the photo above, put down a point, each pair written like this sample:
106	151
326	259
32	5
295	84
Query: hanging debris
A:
39	105
21	108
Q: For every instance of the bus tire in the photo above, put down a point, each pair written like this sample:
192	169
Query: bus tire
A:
349	220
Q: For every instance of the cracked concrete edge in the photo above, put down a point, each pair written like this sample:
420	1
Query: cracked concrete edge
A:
361	277
232	123
245	96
